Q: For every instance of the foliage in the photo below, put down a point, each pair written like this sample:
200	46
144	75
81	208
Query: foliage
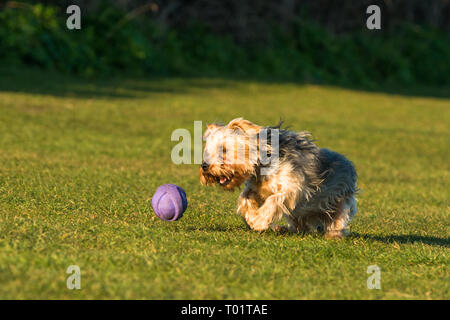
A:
109	42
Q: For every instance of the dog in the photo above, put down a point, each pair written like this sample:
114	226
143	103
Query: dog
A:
313	188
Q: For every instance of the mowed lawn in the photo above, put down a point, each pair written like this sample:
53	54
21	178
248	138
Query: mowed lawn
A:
80	160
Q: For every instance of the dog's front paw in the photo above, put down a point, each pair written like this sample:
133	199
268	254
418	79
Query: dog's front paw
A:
258	224
246	224
279	229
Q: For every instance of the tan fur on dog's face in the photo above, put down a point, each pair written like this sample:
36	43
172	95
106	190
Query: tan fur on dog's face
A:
230	153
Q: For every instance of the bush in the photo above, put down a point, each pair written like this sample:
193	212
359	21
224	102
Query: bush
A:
108	43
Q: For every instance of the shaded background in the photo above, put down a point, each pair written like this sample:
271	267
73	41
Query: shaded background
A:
321	41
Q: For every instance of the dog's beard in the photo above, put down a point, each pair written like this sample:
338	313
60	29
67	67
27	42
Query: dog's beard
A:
226	176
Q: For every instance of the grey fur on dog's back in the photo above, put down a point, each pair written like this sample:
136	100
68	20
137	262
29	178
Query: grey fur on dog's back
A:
340	179
339	171
329	176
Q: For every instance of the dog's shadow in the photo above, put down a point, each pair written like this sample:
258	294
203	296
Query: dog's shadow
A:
402	239
216	228
406	239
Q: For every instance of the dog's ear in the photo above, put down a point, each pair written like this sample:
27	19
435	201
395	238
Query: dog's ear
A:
244	125
210	128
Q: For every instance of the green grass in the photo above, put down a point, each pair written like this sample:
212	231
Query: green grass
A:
79	162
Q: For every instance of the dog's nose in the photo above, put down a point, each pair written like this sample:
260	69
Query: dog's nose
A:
205	166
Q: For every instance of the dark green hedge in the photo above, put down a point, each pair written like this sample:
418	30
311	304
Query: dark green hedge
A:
108	43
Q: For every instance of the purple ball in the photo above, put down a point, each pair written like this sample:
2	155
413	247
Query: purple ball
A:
169	202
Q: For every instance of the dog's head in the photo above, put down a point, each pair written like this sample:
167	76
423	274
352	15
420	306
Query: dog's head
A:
230	153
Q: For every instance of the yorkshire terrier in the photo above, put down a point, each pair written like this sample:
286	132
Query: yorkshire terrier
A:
285	174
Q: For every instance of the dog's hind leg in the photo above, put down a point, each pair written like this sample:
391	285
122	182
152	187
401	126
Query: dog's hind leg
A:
338	228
